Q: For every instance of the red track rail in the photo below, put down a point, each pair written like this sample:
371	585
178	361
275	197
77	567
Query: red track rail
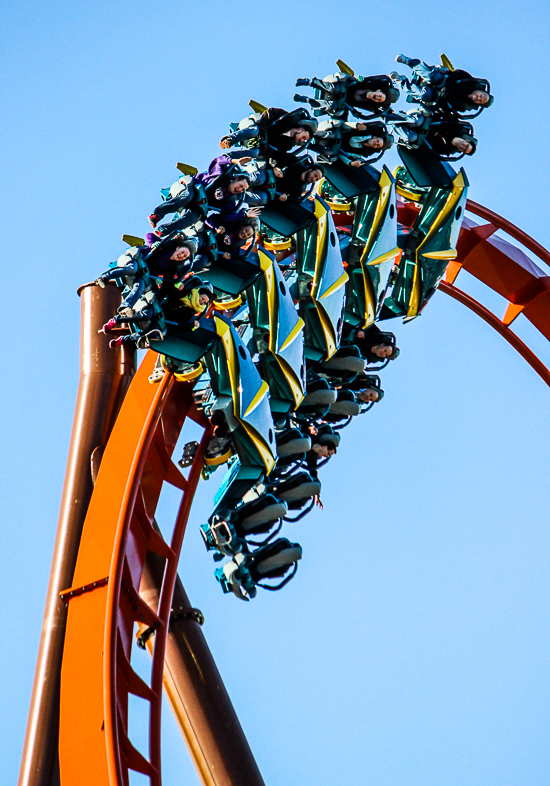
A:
506	269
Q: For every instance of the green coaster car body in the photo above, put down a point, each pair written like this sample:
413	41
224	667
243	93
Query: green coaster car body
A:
278	337
429	246
243	398
321	284
372	251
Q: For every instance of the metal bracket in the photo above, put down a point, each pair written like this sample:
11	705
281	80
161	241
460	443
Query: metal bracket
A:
188	614
69	594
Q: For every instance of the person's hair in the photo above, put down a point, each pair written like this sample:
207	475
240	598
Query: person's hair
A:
169	244
241	176
313	167
249	222
207	291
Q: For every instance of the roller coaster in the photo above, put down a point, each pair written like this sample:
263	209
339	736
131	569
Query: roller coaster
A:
277	359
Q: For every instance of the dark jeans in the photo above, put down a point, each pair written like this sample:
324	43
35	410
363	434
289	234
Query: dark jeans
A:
175	204
128	270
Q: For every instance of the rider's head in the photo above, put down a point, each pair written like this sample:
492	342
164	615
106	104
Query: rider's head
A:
300	135
479	97
369	394
238	185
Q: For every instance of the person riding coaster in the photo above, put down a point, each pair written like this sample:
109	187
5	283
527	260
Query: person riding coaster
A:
324	444
297	181
142	268
449	91
186	307
374	344
133	273
221	188
450	139
277	134
146	324
341	94
354	144
235	234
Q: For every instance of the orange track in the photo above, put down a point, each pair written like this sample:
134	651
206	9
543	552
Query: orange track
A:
104	602
97	675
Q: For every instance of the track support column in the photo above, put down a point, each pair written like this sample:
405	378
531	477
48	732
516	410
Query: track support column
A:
105	375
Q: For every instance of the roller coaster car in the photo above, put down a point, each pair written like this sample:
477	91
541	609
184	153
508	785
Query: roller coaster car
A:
352	181
185	344
235	275
278	336
227	535
372	252
321	284
343	410
245	572
319	396
343	366
258	516
286	218
296	491
425	167
428	247
292	446
242	397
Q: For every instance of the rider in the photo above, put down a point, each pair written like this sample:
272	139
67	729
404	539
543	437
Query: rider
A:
279	135
374	344
439	85
224	185
340	94
352	143
297	180
451	137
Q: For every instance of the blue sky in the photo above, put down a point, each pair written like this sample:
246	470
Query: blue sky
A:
412	647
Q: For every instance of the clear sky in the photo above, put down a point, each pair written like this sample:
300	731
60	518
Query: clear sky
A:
412	648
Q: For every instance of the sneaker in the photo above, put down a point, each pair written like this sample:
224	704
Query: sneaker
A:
116	342
108	326
403	59
126	312
100	282
301	99
153	220
302	82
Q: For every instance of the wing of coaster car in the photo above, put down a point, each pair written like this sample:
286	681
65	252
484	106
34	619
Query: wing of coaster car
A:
286	218
428	248
425	167
185	344
352	181
235	275
278	335
372	252
243	398
321	284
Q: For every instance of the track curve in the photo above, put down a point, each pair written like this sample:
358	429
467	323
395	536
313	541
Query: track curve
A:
104	602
